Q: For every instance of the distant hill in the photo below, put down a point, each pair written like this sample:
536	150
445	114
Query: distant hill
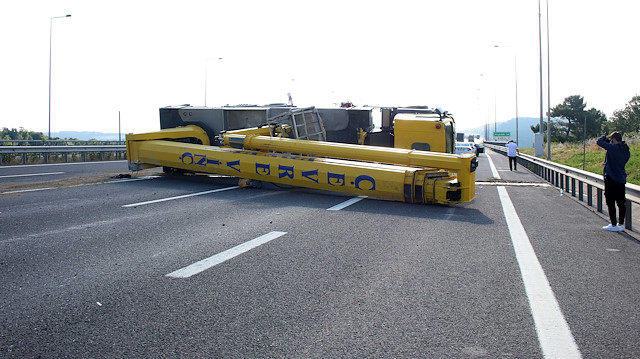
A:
525	135
85	136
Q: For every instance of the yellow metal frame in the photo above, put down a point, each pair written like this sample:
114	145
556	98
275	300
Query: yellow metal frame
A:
386	173
461	166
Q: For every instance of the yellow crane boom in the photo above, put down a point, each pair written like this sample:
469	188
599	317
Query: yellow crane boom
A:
386	173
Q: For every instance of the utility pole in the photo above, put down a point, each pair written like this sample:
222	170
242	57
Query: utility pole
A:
538	145
548	91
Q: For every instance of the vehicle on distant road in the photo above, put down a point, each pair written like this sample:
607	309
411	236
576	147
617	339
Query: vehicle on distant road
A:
465	147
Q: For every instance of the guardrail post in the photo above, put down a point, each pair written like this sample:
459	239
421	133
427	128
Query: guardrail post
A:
590	195
627	217
581	190
573	187
600	200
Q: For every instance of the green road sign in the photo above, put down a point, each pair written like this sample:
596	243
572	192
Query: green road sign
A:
502	134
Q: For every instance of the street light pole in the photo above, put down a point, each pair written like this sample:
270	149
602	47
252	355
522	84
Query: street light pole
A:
539	148
50	42
516	76
548	91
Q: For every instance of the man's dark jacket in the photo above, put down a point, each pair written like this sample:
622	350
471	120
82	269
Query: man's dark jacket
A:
616	158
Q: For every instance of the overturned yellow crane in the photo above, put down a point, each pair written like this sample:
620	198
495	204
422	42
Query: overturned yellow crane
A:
396	174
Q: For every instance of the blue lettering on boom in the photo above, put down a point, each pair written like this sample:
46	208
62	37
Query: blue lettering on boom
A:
263	169
366	179
187	155
312	175
362	182
335	179
285	171
234	165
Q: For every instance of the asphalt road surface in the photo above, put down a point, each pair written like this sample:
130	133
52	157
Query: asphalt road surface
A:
96	266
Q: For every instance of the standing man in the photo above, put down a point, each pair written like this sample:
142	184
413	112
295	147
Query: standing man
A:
512	153
615	178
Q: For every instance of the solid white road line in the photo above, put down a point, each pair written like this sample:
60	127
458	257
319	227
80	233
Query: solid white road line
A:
494	171
84	184
513	184
554	335
207	263
28	190
62	164
347	203
144	178
179	197
33	174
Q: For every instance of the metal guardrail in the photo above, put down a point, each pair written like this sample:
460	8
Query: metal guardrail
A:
65	150
573	181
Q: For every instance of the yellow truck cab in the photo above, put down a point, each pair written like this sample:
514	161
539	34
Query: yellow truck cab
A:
415	128
424	132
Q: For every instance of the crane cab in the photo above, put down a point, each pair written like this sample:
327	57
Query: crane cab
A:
424	132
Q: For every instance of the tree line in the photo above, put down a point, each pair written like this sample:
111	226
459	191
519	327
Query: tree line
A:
572	116
24	134
21	134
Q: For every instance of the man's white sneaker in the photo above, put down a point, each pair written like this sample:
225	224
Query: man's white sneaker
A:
621	228
610	228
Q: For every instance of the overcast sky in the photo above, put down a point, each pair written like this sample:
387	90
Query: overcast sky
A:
137	56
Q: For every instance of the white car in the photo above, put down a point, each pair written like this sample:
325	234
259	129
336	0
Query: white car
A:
465	147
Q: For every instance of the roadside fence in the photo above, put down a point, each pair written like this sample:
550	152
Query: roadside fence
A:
586	187
10	155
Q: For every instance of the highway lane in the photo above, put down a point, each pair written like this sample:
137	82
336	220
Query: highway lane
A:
84	276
